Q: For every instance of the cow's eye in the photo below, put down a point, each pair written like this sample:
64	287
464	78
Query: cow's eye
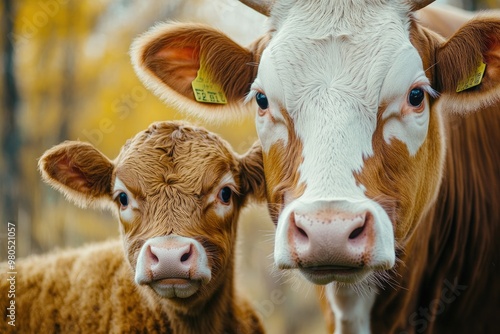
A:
225	195
262	101
416	97
123	199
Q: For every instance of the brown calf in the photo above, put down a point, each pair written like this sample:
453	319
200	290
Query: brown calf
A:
177	191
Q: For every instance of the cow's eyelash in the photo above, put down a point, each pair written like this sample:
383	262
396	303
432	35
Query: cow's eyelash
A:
425	85
250	96
429	90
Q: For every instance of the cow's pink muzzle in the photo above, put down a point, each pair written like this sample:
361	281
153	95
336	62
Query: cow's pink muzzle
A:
334	241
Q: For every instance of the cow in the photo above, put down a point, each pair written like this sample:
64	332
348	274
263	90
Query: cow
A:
177	191
380	154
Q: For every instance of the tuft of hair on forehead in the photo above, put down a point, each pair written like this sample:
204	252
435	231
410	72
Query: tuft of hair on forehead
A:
169	137
177	154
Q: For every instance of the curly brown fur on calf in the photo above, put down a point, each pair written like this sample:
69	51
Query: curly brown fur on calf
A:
172	186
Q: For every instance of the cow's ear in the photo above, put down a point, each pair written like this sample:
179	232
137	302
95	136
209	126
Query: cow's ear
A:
460	64
253	183
170	56
79	171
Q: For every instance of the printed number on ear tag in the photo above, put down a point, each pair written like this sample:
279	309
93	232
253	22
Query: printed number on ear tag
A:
206	91
474	80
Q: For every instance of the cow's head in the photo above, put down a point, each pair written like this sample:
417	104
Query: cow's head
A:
347	95
177	191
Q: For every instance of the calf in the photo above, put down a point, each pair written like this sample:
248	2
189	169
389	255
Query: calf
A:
177	191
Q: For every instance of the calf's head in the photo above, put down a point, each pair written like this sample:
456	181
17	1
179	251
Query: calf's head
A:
347	96
177	191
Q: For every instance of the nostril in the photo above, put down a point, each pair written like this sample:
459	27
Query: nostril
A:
354	234
366	218
152	256
186	255
302	232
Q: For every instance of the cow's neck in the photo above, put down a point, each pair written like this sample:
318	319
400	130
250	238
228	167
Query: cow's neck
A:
351	309
436	252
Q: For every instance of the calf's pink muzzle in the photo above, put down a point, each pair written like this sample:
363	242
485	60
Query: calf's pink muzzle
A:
173	266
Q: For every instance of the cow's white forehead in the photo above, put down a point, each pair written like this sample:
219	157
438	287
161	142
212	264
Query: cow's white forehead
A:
314	54
319	19
330	70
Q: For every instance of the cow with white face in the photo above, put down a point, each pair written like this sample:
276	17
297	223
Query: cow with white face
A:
352	99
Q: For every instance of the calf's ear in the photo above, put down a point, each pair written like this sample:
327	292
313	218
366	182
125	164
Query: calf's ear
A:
170	56
459	65
79	171
253	183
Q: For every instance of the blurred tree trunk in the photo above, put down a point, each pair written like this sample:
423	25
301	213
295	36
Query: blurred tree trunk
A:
469	4
10	138
68	75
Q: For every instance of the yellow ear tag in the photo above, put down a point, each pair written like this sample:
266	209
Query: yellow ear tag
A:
474	80
206	91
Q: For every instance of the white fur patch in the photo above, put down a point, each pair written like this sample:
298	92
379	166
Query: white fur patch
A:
270	123
410	128
351	309
329	80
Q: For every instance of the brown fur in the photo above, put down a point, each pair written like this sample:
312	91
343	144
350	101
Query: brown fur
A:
81	177
404	188
458	62
91	290
456	239
194	48
171	168
446	241
280	180
456	236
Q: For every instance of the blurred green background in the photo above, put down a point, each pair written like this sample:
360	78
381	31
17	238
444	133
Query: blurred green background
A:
66	74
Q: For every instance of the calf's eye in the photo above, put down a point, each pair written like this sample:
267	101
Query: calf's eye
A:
416	97
262	101
225	195
123	199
